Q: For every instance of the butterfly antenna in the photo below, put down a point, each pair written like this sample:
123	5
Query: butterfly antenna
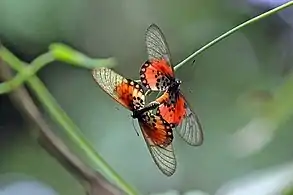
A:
134	127
148	92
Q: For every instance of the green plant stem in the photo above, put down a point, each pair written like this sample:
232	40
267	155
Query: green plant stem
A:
74	132
12	84
29	71
42	61
14	62
64	53
61	117
233	30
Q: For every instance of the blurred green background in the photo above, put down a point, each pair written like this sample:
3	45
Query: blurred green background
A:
257	57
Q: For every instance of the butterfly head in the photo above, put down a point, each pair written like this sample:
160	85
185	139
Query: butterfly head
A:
175	85
135	114
177	82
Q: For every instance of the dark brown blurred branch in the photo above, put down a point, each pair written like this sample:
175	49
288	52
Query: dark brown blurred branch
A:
94	182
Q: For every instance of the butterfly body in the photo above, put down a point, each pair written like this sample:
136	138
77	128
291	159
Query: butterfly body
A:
156	131
137	113
157	74
172	109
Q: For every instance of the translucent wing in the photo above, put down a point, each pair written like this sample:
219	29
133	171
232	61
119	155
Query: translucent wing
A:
158	136
156	73
177	112
125	91
157	47
190	129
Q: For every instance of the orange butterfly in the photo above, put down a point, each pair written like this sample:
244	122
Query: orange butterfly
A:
156	131
157	74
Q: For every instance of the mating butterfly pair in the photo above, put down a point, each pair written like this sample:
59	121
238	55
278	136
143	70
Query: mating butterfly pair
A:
172	110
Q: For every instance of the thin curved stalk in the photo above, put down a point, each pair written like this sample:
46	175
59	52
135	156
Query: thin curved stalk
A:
233	30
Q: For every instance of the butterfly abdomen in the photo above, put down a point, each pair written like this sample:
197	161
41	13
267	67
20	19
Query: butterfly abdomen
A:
151	106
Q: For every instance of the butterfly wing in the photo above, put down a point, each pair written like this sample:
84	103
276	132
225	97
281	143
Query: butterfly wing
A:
125	91
158	136
177	111
156	73
172	108
190	129
157	47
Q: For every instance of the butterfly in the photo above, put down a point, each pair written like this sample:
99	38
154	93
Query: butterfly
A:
157	74
157	132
